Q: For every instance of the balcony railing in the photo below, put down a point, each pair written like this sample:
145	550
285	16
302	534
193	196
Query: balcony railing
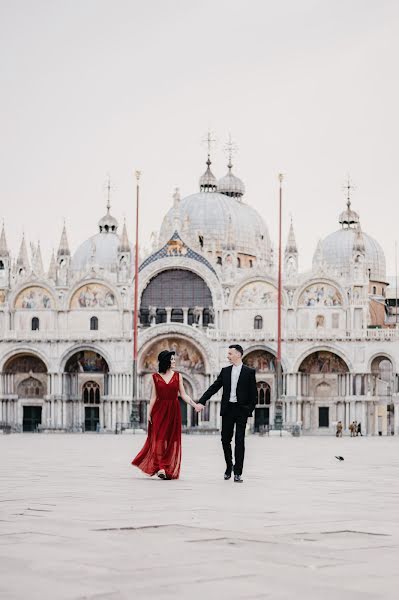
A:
303	334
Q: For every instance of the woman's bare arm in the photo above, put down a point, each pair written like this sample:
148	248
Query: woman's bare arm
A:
183	394
153	399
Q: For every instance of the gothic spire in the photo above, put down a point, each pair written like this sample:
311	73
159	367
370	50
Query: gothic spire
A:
63	249
52	271
37	263
291	247
124	245
3	243
23	259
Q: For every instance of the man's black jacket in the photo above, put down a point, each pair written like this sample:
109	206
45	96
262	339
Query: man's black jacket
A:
246	389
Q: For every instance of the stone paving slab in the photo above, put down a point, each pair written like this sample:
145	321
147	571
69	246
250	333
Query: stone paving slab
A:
78	522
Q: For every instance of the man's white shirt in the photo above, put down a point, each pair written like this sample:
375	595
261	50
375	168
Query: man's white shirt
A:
235	373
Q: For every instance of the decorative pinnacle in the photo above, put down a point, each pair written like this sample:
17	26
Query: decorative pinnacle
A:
138	175
280	178
108	188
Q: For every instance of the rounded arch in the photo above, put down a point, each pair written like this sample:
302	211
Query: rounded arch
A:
321	348
268	350
193	266
149	335
261	292
176	288
24	362
25	350
325	295
191	357
33	295
93	294
82	348
323	361
384	356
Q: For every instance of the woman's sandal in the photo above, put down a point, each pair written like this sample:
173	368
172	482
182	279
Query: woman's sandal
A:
161	474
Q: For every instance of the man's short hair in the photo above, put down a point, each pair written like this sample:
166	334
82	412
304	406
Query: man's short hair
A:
238	348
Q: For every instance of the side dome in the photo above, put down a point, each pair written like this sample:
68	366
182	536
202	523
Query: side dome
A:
100	249
337	249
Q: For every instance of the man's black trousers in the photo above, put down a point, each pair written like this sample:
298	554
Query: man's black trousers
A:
234	416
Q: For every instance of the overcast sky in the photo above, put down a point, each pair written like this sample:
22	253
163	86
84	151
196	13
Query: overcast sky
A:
91	87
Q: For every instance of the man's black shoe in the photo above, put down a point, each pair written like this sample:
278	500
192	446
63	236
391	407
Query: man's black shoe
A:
227	474
237	479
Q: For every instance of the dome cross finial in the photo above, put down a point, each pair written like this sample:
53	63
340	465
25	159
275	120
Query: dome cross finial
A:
209	140
208	182
348	187
108	187
230	150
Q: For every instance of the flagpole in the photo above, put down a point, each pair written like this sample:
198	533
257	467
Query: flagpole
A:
279	298
134	414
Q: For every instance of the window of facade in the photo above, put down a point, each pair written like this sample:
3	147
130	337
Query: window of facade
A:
238	262
258	322
219	260
374	289
93	324
91	393
1	265
35	324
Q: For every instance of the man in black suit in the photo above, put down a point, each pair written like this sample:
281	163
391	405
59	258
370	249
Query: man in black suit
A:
238	402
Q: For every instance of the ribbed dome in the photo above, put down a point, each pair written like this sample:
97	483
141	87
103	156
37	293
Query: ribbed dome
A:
216	217
208	182
337	249
231	185
101	249
108	223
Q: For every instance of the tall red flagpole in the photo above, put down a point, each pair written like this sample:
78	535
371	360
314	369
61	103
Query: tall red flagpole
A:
279	295
136	301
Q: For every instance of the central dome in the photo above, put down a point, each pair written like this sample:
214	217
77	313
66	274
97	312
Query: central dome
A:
215	218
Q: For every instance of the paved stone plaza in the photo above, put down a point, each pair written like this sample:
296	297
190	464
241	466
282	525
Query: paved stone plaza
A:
77	521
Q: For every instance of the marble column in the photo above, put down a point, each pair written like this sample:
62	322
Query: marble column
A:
375	418
396	418
364	417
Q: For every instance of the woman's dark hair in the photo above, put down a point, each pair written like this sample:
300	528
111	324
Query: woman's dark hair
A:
165	362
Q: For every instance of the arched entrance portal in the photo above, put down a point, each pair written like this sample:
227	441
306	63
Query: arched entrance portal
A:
26	376
86	382
322	371
266	411
383	386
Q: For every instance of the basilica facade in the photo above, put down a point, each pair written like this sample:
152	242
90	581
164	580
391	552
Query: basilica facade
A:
210	280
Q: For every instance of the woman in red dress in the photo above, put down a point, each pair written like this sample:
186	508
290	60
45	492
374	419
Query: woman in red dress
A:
161	453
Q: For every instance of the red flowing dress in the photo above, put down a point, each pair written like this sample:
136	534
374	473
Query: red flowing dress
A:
162	448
